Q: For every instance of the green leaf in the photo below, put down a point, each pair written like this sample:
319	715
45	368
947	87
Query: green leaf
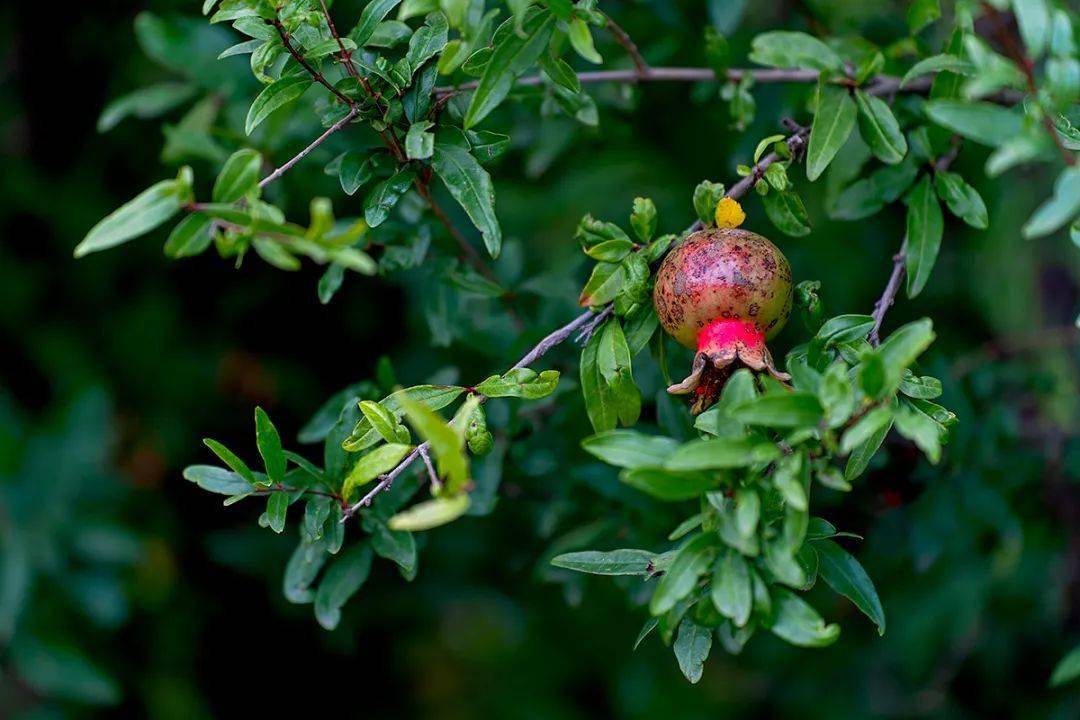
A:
471	186
431	513
731	590
396	546
787	212
721	454
582	41
269	443
936	64
428	41
789	410
963	200
384	196
190	237
669	485
599	403
706	195
924	229
382	420
1033	19
867	427
238	177
629	449
784	49
862	454
434	397
447	441
520	383
560	72
277	505
613	562
692	646
795	621
230	459
511	57
846	576
216	480
982	122
276	95
603	284
643	219
374	13
833	123
379	461
903	346
147	102
148	210
342	579
879	128
1067	669
921	13
691	562
613	362
921	429
1059	209
419	143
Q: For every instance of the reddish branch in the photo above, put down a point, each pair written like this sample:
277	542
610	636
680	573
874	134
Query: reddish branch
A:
1014	49
628	45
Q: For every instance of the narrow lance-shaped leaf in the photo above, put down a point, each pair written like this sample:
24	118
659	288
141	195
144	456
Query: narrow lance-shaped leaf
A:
146	211
471	186
846	576
833	123
269	444
613	562
274	96
512	56
879	128
924	229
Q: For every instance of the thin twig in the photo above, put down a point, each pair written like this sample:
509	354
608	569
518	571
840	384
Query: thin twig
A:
590	328
627	44
888	296
795	142
346	55
306	151
315	74
433	477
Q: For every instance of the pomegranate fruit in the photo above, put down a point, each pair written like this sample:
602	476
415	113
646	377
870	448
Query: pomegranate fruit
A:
723	292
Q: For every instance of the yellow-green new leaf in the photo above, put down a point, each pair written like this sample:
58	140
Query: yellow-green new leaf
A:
430	513
377	462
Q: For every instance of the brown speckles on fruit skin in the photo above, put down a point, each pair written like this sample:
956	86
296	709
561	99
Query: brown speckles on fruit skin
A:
725	273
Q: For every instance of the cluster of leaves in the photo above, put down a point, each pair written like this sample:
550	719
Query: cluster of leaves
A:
760	451
382	73
365	442
753	542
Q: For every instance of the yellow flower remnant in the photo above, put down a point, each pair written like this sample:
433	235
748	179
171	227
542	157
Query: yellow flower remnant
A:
729	213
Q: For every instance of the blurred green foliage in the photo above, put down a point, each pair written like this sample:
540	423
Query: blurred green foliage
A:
126	591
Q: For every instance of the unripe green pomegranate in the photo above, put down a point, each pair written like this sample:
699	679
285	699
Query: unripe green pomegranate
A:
723	292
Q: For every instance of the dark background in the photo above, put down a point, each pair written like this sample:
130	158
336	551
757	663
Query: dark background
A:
147	598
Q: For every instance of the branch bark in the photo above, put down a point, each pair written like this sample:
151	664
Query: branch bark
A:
879	85
307	150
